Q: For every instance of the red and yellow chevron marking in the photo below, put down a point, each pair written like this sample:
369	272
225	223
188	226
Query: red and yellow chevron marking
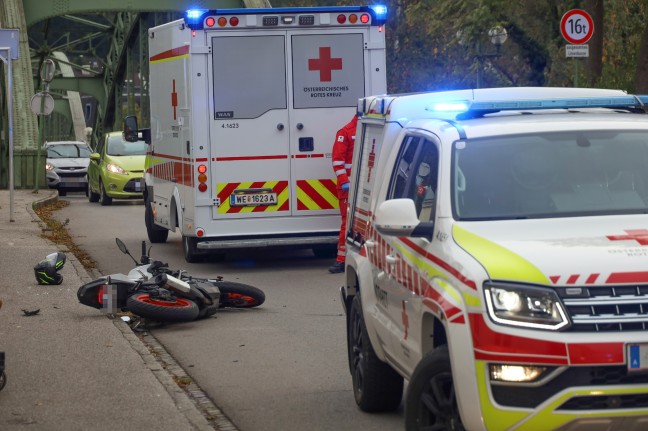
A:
316	195
224	191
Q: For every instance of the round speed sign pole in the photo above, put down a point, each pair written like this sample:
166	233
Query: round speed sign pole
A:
577	27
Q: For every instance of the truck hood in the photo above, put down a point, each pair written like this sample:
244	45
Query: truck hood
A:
566	251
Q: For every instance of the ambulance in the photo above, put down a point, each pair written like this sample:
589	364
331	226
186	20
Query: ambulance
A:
245	104
497	259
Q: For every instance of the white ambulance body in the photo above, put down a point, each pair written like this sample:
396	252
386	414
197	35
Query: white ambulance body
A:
497	259
245	104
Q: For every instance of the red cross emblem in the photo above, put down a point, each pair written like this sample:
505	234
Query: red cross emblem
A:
325	64
174	101
639	235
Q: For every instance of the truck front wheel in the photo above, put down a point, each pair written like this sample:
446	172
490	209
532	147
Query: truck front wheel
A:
376	386
431	401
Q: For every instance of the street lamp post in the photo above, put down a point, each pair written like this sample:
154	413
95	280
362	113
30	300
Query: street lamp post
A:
498	36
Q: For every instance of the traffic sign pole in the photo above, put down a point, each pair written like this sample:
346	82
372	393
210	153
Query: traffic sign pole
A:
577	27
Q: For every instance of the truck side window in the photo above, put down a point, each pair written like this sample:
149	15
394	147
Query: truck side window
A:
416	174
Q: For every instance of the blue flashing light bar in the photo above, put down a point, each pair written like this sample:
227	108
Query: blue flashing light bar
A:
194	18
530	104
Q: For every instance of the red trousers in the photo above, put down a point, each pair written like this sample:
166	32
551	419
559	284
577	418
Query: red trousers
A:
343	197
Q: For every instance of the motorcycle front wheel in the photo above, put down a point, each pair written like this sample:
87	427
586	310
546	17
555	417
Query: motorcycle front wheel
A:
180	310
239	295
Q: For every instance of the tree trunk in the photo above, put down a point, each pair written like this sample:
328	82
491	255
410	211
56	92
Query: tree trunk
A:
594	62
641	74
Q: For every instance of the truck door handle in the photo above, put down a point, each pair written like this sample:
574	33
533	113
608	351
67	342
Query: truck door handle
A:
280	126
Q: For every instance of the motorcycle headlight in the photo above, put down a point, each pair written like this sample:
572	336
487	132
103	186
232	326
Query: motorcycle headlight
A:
49	167
525	306
115	169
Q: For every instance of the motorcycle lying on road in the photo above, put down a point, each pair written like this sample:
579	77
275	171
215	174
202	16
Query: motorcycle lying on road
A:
152	290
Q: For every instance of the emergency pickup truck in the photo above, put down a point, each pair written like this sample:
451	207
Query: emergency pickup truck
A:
497	259
245	104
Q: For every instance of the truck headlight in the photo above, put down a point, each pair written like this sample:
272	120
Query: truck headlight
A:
526	306
115	169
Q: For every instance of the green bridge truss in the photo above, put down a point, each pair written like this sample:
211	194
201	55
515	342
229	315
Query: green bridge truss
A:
100	49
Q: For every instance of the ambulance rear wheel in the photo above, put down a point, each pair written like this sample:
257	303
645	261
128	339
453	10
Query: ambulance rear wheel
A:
190	249
431	401
155	233
376	386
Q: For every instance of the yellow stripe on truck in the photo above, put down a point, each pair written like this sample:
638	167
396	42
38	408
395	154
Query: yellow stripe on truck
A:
499	262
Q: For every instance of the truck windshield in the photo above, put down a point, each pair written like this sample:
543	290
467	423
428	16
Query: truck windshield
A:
550	175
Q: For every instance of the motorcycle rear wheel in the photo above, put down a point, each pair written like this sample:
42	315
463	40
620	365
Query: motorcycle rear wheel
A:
239	295
180	310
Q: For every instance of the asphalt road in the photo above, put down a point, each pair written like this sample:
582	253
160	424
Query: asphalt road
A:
282	366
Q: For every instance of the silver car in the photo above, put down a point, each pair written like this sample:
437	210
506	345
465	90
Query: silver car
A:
67	166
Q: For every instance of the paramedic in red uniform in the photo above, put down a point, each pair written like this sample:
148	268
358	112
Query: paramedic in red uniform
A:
342	158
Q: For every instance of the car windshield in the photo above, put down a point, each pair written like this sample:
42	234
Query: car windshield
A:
118	147
550	175
75	151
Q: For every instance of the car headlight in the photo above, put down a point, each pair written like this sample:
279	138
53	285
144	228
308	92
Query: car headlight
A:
115	169
526	306
49	167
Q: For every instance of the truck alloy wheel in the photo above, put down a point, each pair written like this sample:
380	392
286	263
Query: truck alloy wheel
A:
431	401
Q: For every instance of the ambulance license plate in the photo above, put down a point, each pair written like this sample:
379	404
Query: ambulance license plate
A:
253	199
637	355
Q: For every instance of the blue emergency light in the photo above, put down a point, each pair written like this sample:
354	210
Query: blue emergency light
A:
481	107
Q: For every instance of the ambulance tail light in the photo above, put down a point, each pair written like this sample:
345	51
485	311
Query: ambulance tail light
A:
200	232
234	21
364	18
341	19
210	22
202	178
222	21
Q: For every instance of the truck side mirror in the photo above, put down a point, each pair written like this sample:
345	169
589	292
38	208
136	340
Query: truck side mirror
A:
130	129
397	217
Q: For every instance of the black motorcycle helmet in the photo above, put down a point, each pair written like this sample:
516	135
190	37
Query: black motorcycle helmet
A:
46	271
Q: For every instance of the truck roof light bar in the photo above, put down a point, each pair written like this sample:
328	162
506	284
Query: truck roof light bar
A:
481	107
194	18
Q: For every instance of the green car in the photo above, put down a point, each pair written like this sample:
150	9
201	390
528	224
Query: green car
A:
116	169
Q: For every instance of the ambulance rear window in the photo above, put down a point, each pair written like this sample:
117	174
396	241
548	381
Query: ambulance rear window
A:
249	75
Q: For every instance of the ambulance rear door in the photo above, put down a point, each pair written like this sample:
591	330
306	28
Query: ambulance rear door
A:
327	79
250	127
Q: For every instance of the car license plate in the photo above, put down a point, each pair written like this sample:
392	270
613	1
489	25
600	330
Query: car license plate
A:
253	198
637	355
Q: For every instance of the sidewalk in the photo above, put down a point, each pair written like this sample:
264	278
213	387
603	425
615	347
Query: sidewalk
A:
70	367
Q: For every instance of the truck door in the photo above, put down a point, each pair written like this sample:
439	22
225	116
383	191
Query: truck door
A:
250	126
